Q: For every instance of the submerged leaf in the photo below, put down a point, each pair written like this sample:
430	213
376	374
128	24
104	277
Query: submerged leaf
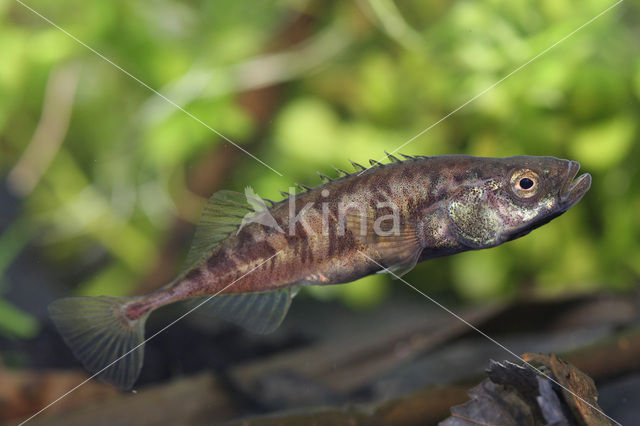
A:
515	395
585	408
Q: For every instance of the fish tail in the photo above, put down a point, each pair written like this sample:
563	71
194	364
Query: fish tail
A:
100	334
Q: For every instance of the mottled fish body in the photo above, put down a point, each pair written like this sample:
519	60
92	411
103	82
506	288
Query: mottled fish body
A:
254	255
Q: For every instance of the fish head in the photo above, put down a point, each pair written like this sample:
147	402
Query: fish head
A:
502	199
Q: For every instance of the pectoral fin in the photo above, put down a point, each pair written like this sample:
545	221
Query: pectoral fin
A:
397	247
399	253
401	266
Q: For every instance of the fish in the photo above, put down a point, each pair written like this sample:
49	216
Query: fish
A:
250	256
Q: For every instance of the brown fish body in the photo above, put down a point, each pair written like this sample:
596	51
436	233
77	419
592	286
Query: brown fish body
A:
383	219
312	250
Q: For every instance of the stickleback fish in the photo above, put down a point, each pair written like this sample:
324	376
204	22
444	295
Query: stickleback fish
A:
253	254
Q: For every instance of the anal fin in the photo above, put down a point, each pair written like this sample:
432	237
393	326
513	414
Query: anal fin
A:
257	312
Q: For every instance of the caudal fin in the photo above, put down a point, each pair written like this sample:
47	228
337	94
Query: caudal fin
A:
99	334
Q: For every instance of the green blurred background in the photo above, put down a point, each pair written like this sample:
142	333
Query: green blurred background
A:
106	178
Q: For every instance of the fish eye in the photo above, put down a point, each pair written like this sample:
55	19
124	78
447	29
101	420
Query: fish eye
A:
524	183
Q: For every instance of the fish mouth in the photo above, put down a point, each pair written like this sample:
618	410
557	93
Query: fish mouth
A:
574	188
